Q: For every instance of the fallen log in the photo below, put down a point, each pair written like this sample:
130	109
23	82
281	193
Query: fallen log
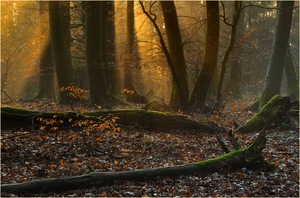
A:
21	118
277	112
250	157
156	120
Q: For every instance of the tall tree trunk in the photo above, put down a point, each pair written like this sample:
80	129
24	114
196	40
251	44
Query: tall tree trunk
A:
128	79
274	74
65	16
205	76
236	17
129	59
110	46
94	54
180	91
292	81
235	79
64	77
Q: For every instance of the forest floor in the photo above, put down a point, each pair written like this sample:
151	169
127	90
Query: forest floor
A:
36	154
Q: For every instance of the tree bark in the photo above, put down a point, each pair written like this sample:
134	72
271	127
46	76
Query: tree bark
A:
128	81
65	16
205	76
249	157
94	54
274	74
110	46
180	91
60	51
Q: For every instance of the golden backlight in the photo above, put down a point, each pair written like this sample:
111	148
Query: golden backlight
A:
24	30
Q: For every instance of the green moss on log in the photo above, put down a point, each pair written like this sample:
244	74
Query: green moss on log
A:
269	114
220	158
156	120
16	110
127	117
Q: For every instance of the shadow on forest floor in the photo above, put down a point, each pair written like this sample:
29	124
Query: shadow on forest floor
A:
28	155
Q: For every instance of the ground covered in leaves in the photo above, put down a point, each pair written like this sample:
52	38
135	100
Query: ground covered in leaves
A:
36	154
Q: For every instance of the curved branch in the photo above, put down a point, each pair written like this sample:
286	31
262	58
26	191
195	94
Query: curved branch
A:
163	44
151	5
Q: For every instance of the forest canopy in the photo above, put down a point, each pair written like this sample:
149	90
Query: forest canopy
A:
25	35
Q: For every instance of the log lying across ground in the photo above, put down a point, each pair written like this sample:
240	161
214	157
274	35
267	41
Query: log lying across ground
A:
250	157
21	118
278	112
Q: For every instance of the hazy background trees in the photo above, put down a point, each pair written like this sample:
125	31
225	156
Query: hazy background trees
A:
22	44
272	83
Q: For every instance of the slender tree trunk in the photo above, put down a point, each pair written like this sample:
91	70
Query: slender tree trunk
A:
176	76
236	17
65	16
110	46
96	72
128	79
130	63
62	62
292	81
235	79
274	74
205	76
180	91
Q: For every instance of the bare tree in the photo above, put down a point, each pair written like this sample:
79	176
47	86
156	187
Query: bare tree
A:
274	74
205	76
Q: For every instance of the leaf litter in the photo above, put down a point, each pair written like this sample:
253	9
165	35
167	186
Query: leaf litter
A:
36	154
